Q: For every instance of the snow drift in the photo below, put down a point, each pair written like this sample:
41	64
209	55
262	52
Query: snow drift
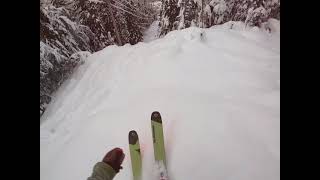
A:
219	96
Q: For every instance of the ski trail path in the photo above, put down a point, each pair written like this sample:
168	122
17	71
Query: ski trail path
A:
219	97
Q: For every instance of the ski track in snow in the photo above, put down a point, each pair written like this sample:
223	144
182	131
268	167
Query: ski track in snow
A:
219	98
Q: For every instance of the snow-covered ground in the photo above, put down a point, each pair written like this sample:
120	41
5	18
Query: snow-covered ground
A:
219	97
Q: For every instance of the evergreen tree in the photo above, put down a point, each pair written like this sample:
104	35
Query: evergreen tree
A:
169	13
134	30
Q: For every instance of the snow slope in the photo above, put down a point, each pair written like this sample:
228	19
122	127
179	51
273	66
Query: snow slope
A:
219	97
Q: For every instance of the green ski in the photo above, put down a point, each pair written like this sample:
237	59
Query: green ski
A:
135	155
158	145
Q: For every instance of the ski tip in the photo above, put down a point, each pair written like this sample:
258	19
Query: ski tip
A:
155	116
133	137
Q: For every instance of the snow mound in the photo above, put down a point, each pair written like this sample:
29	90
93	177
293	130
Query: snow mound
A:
274	25
271	26
219	99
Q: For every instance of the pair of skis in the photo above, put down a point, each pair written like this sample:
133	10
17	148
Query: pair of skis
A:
158	147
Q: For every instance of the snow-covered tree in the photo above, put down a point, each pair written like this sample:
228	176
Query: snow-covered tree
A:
190	13
207	16
256	16
252	12
95	15
59	39
273	8
168	13
61	3
219	9
240	8
135	32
